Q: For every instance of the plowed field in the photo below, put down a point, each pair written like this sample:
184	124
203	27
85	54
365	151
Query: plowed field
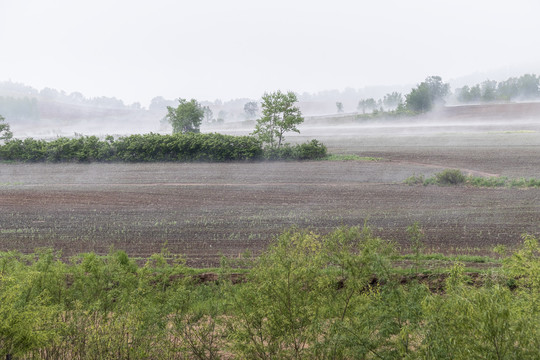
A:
205	210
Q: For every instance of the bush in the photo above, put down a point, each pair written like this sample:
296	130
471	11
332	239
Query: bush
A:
135	148
450	177
307	151
414	180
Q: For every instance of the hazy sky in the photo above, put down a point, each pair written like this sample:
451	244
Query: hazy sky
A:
135	50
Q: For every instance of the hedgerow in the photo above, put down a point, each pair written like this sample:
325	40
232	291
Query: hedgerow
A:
154	147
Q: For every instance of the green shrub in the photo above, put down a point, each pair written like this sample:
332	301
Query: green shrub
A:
415	180
493	181
450	177
307	151
135	148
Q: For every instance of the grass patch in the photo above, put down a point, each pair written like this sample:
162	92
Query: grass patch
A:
456	177
451	258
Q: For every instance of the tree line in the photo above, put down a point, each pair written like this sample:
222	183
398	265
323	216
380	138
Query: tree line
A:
525	87
433	91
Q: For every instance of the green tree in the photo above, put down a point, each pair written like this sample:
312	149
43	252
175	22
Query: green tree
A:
5	132
187	117
427	94
280	115
392	101
489	90
339	106
367	104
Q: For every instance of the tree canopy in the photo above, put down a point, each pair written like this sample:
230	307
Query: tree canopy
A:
427	94
186	117
280	115
526	87
5	132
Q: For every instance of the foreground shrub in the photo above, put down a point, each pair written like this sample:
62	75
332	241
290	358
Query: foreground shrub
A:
309	296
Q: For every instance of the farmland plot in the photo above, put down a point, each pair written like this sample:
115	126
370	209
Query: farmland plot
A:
207	210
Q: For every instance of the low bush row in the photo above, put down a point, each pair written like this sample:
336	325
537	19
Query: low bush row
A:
456	177
154	147
309	296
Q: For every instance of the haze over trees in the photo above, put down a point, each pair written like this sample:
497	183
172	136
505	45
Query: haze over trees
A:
392	101
525	87
186	117
280	115
251	109
367	105
427	94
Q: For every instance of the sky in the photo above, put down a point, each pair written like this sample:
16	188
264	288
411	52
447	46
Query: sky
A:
208	49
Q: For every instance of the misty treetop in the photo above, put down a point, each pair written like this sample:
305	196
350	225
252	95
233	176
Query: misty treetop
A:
251	110
427	94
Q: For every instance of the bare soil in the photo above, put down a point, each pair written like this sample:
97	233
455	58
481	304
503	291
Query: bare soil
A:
208	210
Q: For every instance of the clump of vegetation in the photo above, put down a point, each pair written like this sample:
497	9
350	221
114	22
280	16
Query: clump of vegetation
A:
5	132
308	296
415	180
307	151
456	177
154	147
450	177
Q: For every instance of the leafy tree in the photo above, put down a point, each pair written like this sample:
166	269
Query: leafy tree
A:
392	101
367	104
5	132
251	109
279	116
489	90
187	117
428	93
476	93
339	106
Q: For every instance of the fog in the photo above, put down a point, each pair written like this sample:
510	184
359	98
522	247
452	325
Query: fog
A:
136	50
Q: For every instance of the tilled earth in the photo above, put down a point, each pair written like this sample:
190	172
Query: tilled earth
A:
208	210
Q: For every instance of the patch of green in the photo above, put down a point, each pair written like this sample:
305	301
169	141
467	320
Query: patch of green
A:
11	183
338	295
349	157
456	177
523	182
450	177
415	180
492	181
451	258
